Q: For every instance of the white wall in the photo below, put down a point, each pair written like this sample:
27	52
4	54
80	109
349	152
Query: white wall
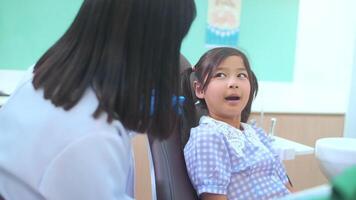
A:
350	120
324	57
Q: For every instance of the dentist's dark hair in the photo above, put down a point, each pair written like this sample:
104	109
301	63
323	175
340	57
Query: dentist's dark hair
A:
127	52
202	72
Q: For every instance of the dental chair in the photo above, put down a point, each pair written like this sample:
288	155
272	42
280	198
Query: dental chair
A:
170	173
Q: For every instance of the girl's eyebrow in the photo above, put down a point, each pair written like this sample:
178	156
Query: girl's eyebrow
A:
240	68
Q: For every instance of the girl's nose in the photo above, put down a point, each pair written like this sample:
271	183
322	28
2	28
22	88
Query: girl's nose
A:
233	84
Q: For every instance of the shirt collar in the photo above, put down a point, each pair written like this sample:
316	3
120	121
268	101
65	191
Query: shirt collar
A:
208	120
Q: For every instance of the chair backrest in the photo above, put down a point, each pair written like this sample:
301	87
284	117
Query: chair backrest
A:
171	177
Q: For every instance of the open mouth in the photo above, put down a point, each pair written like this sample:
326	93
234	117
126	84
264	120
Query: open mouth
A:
232	98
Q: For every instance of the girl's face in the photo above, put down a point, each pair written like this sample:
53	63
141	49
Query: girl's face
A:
228	91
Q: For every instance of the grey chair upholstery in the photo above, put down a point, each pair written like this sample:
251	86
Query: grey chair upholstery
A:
171	177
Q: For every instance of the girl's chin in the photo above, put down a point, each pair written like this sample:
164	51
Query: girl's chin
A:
233	103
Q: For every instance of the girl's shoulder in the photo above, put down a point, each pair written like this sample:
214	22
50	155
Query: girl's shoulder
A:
207	128
254	130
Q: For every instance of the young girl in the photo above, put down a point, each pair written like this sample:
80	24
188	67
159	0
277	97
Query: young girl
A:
227	158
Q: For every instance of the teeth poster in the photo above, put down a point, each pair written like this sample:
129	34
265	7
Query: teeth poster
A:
223	23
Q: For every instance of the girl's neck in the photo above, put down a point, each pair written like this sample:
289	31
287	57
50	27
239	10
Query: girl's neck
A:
234	122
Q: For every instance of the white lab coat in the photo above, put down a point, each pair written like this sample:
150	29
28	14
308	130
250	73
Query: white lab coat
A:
49	153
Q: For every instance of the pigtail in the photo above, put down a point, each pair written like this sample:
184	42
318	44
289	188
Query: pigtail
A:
190	117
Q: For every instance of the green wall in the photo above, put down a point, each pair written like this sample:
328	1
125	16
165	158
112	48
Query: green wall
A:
29	27
268	33
270	37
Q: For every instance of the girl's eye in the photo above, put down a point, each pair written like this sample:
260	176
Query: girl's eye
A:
220	74
242	75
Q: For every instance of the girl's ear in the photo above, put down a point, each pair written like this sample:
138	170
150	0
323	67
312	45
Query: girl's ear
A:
199	92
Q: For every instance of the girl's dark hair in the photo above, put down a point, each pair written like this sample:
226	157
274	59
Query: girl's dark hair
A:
203	72
127	52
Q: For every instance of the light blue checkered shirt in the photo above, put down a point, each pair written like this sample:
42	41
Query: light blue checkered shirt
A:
240	164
